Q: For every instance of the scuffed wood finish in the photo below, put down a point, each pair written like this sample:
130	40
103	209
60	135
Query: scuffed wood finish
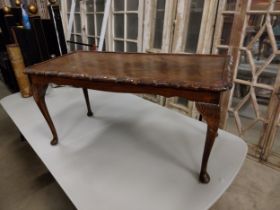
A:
157	70
200	78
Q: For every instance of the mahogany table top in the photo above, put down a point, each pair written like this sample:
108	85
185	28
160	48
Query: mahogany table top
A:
204	72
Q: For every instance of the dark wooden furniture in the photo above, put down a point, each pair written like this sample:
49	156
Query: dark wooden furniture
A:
201	78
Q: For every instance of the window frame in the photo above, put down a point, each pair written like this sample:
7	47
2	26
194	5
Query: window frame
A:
111	32
109	35
95	13
149	26
84	23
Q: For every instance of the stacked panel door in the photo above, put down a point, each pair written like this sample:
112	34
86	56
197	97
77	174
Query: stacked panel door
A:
253	100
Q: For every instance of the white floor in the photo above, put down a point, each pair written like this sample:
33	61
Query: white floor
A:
132	155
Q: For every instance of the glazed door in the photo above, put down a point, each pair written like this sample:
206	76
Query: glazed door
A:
179	26
158	32
253	110
193	33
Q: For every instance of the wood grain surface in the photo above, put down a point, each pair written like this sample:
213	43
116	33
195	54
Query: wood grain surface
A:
160	70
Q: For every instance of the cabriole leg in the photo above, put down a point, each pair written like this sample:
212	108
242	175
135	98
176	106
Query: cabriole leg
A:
39	92
85	91
211	114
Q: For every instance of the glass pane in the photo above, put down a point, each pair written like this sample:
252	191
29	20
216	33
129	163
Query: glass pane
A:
77	8
132	5
99	19
244	69
69	2
239	92
223	51
100	5
119	5
159	24
79	39
72	46
194	25
132	26
104	46
253	134
260	4
119	46
72	38
68	17
255	22
158	30
226	30
182	101
249	129
160	4
90	24
261	50
276	146
230	5
78	23
277	5
268	76
91	41
90	5
131	47
263	97
119	25
275	22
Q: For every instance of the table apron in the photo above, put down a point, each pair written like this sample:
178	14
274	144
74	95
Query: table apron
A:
198	95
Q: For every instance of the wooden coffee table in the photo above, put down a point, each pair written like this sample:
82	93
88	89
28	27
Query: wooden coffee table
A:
200	78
